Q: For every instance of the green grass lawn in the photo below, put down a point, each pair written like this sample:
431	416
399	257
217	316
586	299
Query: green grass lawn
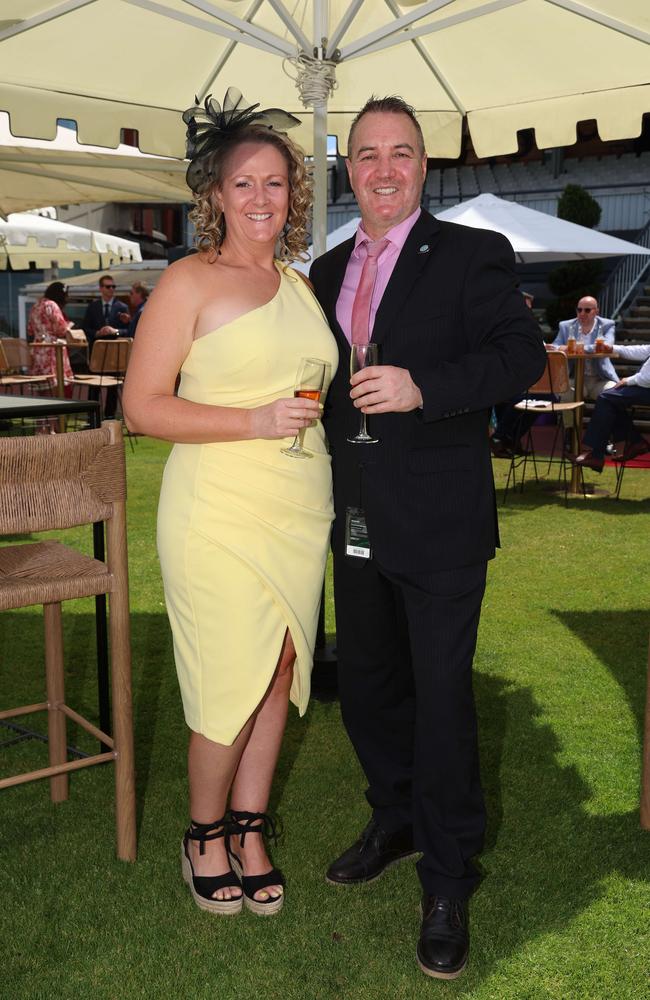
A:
564	909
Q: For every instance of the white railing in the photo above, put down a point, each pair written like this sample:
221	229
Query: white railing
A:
625	277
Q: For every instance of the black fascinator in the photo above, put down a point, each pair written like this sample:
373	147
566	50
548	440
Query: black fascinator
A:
209	127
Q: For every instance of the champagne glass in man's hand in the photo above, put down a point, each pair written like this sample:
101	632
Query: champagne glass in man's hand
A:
363	356
309	385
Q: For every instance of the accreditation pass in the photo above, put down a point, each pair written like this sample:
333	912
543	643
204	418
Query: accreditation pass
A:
357	543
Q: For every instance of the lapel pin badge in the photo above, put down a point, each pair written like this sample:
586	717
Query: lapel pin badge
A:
424	248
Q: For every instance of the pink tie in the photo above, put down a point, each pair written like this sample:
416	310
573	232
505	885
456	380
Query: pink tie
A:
363	298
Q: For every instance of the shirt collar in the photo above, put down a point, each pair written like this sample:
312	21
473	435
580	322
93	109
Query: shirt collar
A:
397	235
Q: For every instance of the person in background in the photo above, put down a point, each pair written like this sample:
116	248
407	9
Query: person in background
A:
106	316
611	418
139	296
48	323
585	328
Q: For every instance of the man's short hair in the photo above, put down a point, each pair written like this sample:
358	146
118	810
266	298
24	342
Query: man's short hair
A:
106	277
394	105
141	289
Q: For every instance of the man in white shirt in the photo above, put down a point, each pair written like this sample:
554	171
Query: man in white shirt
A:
611	417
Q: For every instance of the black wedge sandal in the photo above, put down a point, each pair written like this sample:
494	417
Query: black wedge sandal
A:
243	823
203	887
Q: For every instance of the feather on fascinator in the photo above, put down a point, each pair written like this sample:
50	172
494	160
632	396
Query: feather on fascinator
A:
209	127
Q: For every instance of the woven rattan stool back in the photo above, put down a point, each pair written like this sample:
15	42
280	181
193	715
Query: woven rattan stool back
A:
60	480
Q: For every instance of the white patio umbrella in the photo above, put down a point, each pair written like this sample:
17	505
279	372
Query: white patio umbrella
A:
35	172
27	238
502	65
536	236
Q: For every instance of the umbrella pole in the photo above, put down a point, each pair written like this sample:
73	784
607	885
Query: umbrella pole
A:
319	225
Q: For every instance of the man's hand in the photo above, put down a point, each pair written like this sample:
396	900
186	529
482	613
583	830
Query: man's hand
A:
384	389
619	385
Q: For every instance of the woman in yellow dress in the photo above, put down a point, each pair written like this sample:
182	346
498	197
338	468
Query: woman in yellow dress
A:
243	528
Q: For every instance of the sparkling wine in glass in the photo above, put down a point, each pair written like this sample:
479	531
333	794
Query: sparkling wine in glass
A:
309	385
363	356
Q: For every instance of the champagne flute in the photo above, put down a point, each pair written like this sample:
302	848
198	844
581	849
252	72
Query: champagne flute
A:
309	385
363	356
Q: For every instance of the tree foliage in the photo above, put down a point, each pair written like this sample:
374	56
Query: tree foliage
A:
569	282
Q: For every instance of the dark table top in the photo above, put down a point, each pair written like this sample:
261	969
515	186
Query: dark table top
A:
29	406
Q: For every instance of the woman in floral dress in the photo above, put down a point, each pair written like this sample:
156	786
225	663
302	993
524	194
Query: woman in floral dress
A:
46	325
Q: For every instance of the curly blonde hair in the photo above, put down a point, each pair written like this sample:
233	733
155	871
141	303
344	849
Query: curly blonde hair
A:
210	223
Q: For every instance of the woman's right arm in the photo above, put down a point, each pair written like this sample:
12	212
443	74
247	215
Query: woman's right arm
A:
165	335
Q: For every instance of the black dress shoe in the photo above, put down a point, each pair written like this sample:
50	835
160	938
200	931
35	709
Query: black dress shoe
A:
443	948
500	448
371	854
589	461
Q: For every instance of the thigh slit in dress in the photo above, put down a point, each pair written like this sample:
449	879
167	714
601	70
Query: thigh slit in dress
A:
243	530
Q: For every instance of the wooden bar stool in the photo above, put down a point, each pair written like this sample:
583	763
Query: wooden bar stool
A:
54	482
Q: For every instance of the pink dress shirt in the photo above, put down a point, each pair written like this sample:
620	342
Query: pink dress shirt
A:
397	238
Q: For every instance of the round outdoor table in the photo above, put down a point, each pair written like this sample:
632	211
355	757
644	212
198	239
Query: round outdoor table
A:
578	395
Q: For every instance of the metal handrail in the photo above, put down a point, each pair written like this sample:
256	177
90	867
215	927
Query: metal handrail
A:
625	277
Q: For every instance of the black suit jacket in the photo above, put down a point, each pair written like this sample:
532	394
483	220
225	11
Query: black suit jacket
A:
94	318
452	315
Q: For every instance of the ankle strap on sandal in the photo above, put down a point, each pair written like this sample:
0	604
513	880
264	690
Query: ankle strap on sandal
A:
202	832
242	823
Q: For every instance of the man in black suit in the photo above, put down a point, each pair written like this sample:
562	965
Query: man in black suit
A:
106	316
454	337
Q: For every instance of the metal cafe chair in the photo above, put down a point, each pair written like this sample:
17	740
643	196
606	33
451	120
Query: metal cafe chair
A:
15	360
54	482
109	359
553	382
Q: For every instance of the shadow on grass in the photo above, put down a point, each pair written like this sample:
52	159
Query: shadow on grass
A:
543	496
620	640
546	857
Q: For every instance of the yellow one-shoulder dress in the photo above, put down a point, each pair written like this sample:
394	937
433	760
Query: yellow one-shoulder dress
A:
243	530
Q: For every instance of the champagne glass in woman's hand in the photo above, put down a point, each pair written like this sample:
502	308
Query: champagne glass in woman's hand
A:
363	356
309	385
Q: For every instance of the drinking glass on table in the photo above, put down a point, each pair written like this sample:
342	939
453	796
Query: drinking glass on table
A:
363	356
309	385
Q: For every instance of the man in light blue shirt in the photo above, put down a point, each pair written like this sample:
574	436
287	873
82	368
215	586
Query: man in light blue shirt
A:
586	327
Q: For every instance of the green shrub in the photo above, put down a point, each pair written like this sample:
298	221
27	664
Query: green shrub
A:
569	282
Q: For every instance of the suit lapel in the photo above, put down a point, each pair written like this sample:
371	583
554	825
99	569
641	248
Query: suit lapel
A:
415	254
337	264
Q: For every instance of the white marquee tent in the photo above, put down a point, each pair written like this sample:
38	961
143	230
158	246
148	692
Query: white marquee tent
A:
534	236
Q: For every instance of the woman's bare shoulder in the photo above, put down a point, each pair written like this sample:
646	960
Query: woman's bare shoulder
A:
190	269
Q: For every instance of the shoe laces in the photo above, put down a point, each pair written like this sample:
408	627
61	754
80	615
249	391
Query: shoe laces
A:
447	908
368	834
243	823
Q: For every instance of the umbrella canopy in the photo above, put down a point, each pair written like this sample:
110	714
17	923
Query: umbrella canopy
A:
503	65
34	172
536	236
27	238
